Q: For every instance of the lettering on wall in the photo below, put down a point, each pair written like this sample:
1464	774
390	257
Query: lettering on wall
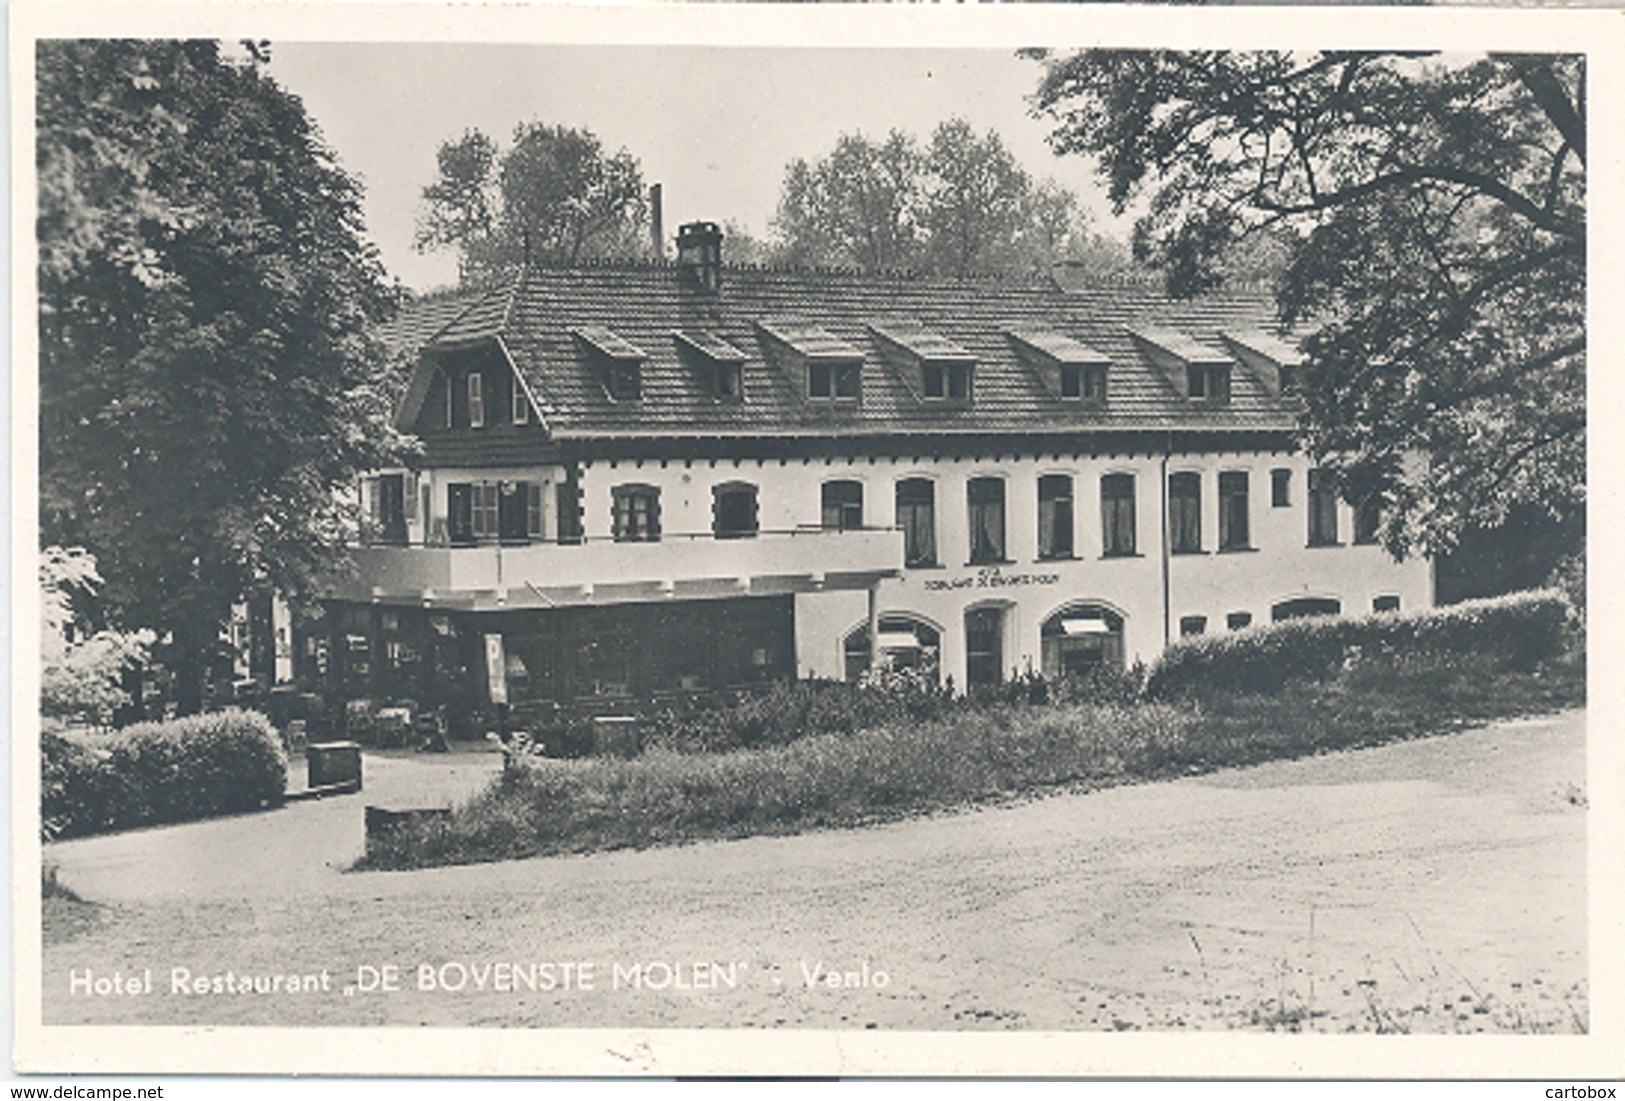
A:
990	577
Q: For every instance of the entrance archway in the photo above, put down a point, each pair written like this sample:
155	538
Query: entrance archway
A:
906	642
1080	637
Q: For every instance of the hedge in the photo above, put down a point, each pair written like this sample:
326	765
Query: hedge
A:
1516	630
224	762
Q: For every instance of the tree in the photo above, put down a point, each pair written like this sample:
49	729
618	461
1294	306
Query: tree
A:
857	207
207	381
82	668
960	206
1431	213
460	201
554	195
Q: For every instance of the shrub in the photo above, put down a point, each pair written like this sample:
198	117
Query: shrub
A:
224	762
790	711
1516	630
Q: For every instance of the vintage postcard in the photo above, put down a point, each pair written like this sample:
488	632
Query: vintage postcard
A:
805	540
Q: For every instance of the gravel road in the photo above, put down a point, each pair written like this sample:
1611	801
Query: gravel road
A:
1431	886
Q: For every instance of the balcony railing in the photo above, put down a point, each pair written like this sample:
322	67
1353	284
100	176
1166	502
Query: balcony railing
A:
803	558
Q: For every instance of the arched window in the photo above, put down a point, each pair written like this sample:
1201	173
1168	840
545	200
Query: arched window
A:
906	642
1082	637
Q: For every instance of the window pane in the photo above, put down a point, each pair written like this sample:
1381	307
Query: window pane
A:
1280	488
985	497
1185	513
932	373
1322	509
846	381
1071	381
842	506
1117	513
818	380
1233	519
916	516
735	512
1055	516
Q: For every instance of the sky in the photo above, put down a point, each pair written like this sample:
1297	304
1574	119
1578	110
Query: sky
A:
715	126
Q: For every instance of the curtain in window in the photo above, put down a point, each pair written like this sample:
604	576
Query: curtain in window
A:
985	497
1117	513
1185	513
916	516
1055	516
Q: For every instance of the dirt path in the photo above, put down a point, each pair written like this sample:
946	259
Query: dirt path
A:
1431	886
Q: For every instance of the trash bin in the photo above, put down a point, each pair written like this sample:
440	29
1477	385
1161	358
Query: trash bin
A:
334	764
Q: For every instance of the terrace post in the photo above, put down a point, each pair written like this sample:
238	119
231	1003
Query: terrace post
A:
874	624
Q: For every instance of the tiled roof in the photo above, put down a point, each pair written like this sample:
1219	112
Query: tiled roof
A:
1058	347
711	346
920	343
1266	345
822	313
418	320
607	342
808	340
1180	345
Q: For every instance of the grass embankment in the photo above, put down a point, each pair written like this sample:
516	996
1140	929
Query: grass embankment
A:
899	769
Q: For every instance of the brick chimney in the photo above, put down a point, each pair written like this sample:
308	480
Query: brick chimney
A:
657	228
699	255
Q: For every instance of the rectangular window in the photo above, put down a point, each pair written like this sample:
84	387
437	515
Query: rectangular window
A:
533	510
1385	604
1233	518
1185	513
1322	509
1055	516
637	514
1237	620
1117	514
1071	380
984	498
624	381
476	400
842	506
734	512
460	513
949	381
832	380
1280	488
1367	519
486	510
451	390
569	512
1192	625
521	405
917	517
730	381
1208	383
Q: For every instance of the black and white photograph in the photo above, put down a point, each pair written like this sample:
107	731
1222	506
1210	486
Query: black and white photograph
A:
740	542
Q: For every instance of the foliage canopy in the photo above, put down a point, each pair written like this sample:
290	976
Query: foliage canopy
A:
1432	212
554	195
207	381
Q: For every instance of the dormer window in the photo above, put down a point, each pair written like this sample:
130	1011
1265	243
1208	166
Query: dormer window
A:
620	362
1072	371
946	381
1275	362
720	366
1202	372
1080	382
943	371
831	381
831	369
1209	383
476	400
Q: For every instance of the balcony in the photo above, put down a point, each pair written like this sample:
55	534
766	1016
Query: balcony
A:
489	577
